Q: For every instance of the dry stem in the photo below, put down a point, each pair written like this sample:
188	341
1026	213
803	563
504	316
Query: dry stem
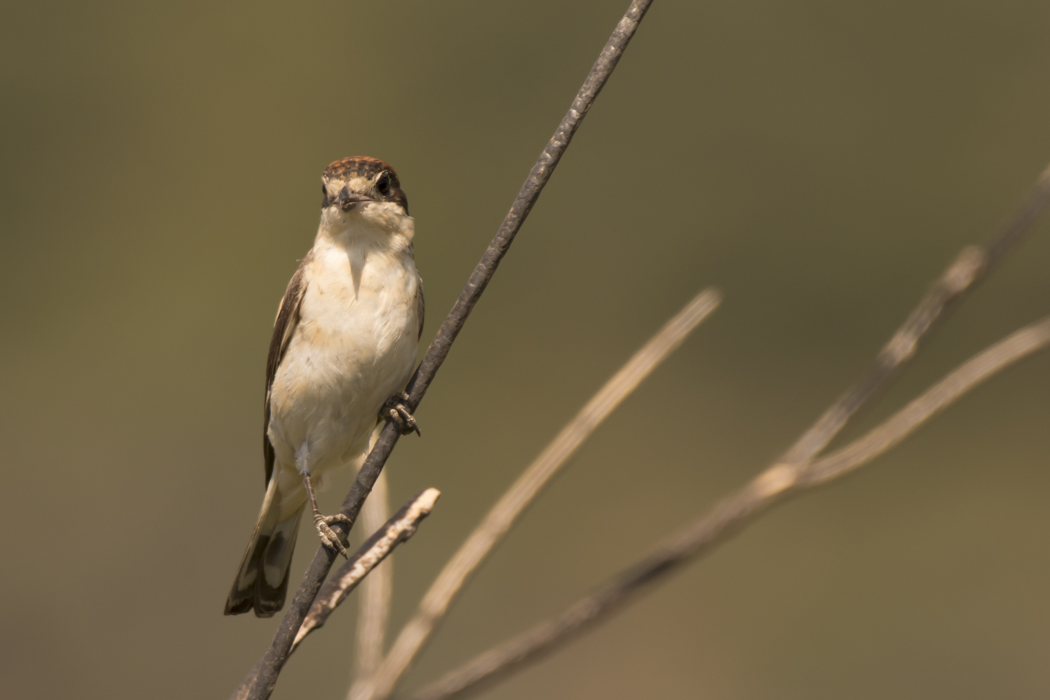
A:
373	608
511	505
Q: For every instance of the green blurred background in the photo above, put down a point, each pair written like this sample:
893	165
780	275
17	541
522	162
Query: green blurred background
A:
821	162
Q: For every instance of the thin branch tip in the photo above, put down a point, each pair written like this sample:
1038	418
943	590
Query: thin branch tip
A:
397	530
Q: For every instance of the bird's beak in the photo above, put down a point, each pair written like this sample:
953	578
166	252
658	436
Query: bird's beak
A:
348	201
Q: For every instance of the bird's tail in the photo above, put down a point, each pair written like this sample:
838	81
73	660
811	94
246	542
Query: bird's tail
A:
262	579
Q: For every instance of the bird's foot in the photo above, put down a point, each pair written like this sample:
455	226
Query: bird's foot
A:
328	536
395	410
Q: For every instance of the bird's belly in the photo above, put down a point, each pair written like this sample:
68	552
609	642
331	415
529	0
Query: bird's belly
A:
352	350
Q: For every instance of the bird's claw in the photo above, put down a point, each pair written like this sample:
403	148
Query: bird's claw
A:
395	410
328	536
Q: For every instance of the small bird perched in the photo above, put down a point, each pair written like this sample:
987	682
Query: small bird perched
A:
343	347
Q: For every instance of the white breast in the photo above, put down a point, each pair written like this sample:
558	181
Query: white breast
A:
354	347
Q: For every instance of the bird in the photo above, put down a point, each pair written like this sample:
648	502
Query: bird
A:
343	348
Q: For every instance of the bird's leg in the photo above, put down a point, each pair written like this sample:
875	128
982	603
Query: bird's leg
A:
395	410
328	536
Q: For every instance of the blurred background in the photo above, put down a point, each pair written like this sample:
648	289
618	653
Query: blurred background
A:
820	162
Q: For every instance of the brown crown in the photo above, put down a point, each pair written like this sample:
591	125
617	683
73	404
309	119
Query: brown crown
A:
358	165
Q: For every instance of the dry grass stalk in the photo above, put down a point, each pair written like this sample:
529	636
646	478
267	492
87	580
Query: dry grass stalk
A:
513	503
377	590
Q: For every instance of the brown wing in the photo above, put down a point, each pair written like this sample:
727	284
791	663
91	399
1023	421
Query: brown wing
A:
283	329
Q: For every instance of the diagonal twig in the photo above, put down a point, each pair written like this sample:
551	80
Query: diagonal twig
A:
971	266
260	681
732	514
980	367
517	498
399	528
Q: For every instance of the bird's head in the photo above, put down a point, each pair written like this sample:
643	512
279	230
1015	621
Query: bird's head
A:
365	187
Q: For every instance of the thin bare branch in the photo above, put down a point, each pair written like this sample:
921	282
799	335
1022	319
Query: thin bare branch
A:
260	681
512	504
960	276
996	358
373	608
399	528
971	266
732	514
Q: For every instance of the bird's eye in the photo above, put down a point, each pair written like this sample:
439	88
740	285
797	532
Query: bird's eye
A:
383	184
